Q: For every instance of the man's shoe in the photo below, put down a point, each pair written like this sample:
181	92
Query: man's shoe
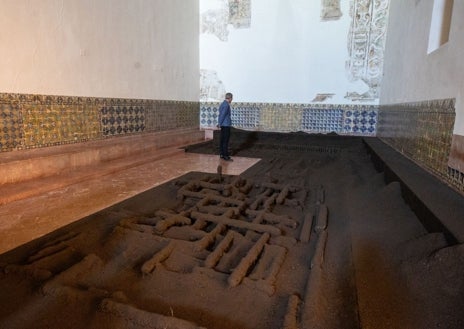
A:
228	159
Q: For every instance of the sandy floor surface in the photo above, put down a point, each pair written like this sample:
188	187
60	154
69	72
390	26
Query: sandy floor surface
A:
310	237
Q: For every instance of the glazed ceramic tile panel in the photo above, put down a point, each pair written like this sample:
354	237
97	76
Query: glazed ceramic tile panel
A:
456	162
314	118
422	131
161	116
456	178
49	120
189	115
137	116
245	116
29	121
11	132
322	120
54	124
209	115
280	117
360	119
117	120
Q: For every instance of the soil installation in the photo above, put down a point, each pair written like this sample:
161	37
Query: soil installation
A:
310	237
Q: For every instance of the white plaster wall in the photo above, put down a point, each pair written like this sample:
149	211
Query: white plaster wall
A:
410	74
288	55
145	49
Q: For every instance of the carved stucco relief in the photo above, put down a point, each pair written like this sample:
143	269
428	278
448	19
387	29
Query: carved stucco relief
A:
330	10
211	87
235	13
214	21
240	13
228	12
366	44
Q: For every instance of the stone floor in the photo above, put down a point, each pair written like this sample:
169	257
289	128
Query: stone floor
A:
31	217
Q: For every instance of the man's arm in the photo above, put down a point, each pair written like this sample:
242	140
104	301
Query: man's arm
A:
222	114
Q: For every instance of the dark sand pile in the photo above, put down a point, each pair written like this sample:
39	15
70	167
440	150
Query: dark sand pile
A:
310	237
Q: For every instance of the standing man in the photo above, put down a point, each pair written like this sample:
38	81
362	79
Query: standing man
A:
225	122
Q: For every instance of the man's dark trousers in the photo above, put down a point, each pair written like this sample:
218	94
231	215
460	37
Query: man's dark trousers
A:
224	141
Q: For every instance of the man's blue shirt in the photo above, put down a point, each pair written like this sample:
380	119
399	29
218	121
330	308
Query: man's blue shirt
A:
224	119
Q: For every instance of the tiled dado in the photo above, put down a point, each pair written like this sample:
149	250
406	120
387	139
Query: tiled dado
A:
420	130
456	162
359	120
30	121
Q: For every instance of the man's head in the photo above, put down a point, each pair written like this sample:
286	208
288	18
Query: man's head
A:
229	97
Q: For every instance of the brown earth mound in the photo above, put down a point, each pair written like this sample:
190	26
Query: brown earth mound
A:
310	237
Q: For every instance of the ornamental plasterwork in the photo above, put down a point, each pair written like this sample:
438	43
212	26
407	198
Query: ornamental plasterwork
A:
330	10
215	21
240	13
211	87
366	44
228	12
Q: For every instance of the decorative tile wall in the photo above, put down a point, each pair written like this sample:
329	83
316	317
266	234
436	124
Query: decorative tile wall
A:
421	130
359	120
456	160
30	121
120	116
280	117
321	120
456	179
11	132
161	117
246	116
51	121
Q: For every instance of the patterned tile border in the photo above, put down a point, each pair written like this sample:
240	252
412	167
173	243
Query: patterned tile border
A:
456	162
456	179
422	131
359	120
117	120
11	123
31	121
